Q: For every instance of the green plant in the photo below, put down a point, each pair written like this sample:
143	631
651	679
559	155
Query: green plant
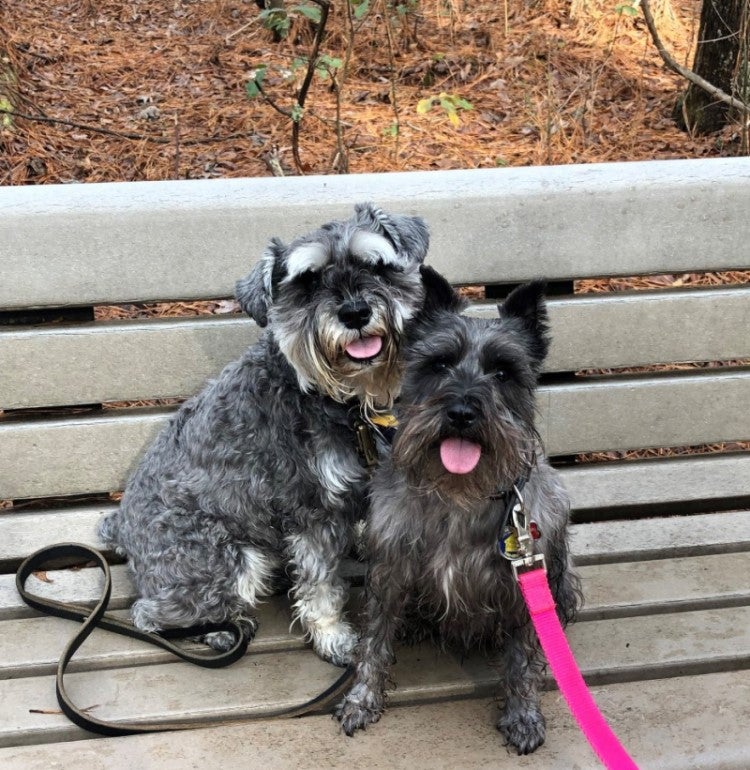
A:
449	103
254	85
279	20
326	66
629	8
359	8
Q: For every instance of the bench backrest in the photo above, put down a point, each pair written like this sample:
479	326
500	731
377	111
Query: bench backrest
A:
90	245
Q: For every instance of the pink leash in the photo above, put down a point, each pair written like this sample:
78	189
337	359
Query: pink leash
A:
598	733
517	545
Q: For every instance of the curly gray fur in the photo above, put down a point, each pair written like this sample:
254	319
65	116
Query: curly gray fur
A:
256	480
432	536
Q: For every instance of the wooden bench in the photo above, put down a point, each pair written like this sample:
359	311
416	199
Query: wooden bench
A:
662	544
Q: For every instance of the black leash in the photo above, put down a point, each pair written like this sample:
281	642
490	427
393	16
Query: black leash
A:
98	618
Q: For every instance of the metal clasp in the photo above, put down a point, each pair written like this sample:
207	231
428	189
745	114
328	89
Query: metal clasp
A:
520	522
528	563
521	556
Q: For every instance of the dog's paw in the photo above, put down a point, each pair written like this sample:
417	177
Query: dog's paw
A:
359	709
523	730
225	640
335	643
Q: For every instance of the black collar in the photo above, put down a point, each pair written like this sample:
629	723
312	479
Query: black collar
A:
510	497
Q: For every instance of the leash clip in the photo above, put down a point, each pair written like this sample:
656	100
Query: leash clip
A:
517	539
521	524
528	563
526	534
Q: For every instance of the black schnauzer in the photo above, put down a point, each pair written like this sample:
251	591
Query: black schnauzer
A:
466	435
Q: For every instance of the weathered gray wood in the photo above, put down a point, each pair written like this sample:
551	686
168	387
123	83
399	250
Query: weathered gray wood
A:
634	329
666	725
630	413
666	585
601	486
133	360
95	454
23	533
607	650
634	484
607	543
32	646
91	363
77	586
660	538
75	455
66	244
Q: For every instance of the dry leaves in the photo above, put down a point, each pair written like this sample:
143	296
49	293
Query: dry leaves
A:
545	89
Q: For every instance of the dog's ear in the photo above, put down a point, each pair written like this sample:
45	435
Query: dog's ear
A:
409	235
526	304
438	293
255	291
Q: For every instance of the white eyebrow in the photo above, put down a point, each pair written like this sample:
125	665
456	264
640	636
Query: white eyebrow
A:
373	248
308	256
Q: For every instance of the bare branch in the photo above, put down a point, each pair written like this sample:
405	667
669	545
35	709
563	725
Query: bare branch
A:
684	71
305	87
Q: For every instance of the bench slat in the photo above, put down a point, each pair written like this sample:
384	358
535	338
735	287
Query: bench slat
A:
95	454
628	413
32	646
167	357
448	735
661	538
607	651
635	484
65	244
125	361
592	544
602	486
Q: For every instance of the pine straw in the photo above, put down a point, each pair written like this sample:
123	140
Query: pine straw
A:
551	90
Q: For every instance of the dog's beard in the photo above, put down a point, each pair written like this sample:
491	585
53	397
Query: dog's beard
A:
317	352
505	453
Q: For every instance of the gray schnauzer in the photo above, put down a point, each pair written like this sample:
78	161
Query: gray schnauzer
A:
466	435
256	482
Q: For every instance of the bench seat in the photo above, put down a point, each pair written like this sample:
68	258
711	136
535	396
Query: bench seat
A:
662	541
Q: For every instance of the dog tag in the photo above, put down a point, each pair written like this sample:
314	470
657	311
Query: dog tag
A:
509	545
368	450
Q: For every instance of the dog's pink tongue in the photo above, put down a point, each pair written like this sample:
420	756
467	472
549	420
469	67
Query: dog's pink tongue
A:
459	455
366	347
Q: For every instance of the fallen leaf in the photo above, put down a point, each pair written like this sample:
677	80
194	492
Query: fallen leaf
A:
42	575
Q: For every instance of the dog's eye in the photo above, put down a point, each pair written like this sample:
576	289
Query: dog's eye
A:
383	268
500	370
308	280
440	365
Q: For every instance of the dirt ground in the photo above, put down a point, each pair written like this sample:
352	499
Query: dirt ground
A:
544	88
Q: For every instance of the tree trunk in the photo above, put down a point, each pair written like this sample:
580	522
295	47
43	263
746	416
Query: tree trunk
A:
717	58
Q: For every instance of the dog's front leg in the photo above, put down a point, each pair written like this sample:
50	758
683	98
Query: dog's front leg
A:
521	663
320	593
365	701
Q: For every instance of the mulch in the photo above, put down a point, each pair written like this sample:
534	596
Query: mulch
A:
545	88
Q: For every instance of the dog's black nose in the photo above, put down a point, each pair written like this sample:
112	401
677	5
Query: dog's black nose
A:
354	313
461	414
